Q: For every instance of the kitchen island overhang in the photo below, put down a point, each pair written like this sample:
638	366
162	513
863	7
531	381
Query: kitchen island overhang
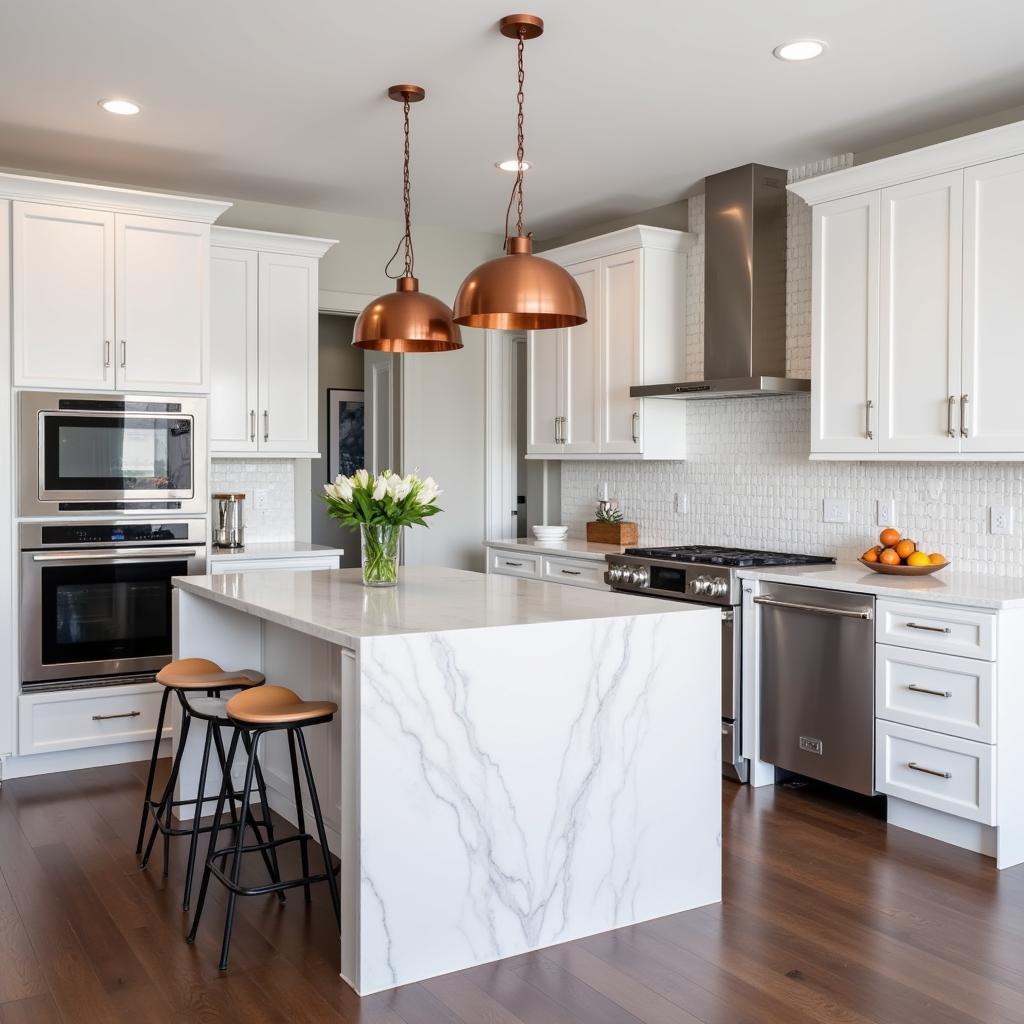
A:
543	767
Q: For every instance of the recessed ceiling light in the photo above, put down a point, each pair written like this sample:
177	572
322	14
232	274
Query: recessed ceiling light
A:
512	166
800	49
120	106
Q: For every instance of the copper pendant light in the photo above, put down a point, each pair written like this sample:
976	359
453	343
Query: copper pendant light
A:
406	320
520	291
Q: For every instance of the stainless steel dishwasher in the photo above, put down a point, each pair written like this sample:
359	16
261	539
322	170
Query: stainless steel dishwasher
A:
818	684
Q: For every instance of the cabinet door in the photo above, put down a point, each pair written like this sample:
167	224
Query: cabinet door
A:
63	298
581	372
543	391
288	309
620	320
993	307
844	315
234	276
162	308
919	314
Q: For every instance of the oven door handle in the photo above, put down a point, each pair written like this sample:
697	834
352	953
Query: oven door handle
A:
117	556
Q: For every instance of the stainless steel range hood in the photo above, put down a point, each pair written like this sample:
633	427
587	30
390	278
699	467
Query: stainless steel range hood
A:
744	290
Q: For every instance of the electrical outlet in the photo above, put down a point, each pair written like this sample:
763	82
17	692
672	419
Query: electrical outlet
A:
1000	519
259	498
886	512
680	504
836	510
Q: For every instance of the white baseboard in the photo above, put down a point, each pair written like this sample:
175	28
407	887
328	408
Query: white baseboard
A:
86	757
968	835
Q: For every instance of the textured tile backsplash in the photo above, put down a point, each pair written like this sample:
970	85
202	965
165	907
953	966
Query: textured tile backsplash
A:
747	479
276	477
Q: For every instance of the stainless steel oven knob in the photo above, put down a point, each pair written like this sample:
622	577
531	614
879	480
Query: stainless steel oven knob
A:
717	588
699	586
638	577
614	574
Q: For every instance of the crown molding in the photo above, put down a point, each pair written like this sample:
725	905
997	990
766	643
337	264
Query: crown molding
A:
57	192
640	236
954	155
269	241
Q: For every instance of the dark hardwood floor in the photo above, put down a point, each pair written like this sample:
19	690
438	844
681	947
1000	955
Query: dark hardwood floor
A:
828	917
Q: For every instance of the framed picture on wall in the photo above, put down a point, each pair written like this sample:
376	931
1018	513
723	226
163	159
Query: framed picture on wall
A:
345	432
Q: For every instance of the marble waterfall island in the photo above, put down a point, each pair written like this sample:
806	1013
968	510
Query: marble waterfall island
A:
515	763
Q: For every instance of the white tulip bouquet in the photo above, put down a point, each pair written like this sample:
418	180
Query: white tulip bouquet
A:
380	506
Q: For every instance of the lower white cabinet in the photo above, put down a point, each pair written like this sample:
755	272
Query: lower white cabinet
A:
543	564
239	563
71	719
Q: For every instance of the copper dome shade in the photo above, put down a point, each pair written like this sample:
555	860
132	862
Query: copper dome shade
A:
406	320
520	292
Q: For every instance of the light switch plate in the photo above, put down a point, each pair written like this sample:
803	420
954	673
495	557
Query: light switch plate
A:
886	512
836	510
1000	519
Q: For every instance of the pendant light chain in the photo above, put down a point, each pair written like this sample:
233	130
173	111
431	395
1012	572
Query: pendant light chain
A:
406	239
517	187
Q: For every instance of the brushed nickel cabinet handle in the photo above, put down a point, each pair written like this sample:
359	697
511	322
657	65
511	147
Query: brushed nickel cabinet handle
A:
933	693
252	424
558	419
963	416
106	353
636	428
950	402
266	425
929	771
124	353
929	629
868	432
125	714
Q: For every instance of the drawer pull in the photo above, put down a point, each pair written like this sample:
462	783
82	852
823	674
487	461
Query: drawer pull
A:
929	771
929	629
516	565
124	714
571	572
933	693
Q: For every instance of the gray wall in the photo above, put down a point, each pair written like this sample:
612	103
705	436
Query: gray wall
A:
341	366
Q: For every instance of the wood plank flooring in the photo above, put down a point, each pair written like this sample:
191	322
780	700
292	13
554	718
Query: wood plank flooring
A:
829	918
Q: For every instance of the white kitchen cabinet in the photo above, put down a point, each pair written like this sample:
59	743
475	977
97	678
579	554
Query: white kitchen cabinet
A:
295	563
549	564
578	403
945	318
161	304
993	307
264	315
63	297
919	318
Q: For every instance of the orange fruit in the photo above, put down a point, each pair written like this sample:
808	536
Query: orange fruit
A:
871	555
936	558
889	557
905	548
918	558
889	537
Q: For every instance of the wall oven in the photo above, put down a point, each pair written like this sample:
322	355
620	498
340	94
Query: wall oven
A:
96	597
111	453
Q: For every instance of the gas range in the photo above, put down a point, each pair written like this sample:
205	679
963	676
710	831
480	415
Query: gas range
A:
695	572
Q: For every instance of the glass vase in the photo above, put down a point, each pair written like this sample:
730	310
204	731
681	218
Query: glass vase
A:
379	546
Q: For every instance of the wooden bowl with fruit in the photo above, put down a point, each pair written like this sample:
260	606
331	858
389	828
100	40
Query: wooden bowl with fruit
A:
896	555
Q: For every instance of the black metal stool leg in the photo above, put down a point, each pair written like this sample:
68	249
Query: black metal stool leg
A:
236	863
146	803
200	800
269	856
218	814
218	742
321	832
168	796
300	813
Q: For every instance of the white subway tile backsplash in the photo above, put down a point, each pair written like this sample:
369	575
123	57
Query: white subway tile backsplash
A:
275	522
747	476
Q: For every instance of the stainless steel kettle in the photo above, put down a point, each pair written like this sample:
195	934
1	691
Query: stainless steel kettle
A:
228	520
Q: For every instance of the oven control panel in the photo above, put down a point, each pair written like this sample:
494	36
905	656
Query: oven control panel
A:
703	583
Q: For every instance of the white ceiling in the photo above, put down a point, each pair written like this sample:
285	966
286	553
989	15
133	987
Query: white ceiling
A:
629	105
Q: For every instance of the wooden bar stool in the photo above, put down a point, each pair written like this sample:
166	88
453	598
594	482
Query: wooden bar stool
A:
198	684
255	712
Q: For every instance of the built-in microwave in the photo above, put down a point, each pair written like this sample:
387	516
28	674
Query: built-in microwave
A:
111	453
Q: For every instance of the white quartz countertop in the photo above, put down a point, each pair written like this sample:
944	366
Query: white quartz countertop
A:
577	547
944	587
274	549
335	606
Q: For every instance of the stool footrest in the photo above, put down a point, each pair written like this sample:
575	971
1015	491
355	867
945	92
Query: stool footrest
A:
268	887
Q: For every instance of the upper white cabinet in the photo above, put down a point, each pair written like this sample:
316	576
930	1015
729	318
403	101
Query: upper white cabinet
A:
264	311
916	303
578	380
110	287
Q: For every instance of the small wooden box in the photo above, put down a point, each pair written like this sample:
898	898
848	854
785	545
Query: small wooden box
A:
621	534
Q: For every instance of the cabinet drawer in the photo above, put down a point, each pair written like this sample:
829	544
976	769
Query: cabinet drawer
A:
512	563
934	628
577	572
68	719
942	772
936	691
226	565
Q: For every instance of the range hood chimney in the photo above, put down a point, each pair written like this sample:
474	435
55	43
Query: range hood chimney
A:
744	290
